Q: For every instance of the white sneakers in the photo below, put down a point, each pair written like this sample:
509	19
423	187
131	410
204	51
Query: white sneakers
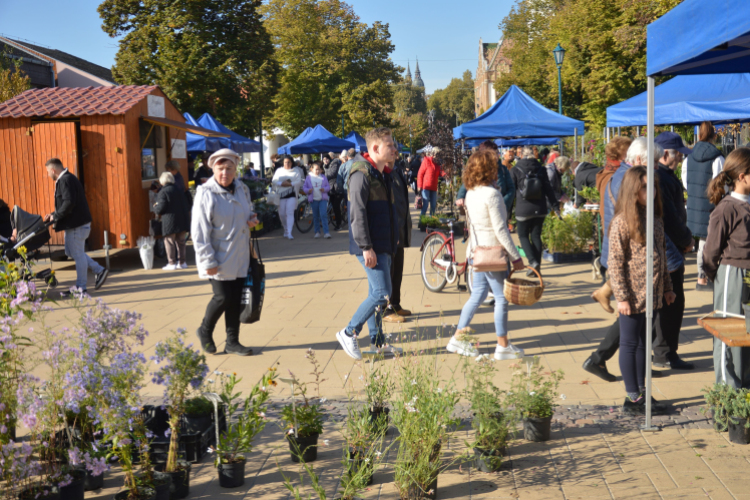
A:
510	352
317	235
289	236
171	267
183	265
327	236
349	344
462	347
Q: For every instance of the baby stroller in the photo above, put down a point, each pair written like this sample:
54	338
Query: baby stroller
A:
32	233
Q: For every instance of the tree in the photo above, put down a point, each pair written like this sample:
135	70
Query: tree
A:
12	79
206	55
332	64
409	115
456	101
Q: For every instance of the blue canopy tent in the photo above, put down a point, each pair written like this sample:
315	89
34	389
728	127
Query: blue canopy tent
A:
199	143
315	140
360	145
236	142
688	99
517	115
528	141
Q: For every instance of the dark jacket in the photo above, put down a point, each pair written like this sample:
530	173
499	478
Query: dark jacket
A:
700	173
555	181
674	217
401	204
6	228
373	222
585	177
532	208
504	183
332	170
202	173
172	206
729	241
71	207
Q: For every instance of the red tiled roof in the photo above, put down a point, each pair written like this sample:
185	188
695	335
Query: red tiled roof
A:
74	101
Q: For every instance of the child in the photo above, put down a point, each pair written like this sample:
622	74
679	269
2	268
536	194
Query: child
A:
726	259
316	187
627	272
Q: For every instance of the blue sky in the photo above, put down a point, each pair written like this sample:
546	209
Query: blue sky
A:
442	33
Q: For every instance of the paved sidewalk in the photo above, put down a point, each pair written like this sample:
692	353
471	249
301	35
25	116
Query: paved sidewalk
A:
313	288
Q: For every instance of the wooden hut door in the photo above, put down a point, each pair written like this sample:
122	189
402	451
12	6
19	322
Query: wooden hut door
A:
52	140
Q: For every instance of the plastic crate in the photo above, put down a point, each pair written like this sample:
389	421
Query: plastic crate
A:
192	446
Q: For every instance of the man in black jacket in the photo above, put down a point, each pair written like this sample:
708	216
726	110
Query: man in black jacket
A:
72	215
584	176
331	169
394	313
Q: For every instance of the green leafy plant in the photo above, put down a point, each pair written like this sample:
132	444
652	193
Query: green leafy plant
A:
533	389
590	194
362	451
571	234
198	406
719	400
429	221
379	388
305	418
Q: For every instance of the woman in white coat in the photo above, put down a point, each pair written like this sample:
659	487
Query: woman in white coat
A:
287	181
222	217
489	228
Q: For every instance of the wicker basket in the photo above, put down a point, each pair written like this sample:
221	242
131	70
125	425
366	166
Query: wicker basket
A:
523	292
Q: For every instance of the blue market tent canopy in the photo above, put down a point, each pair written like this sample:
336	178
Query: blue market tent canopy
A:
689	99
517	115
506	143
315	140
699	37
360	145
236	142
199	143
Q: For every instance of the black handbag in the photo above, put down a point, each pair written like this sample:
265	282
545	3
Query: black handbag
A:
254	288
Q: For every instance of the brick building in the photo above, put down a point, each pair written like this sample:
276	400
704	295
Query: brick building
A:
492	63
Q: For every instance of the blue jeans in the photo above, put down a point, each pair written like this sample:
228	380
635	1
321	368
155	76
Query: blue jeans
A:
320	215
431	198
371	310
75	240
481	285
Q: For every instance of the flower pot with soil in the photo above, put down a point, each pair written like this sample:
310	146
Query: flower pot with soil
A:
47	492
142	494
537	429
532	392
197	416
488	460
415	492
303	448
304	423
232	475
73	489
179	479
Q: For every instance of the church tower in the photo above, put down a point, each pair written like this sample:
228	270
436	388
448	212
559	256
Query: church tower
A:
408	73
418	77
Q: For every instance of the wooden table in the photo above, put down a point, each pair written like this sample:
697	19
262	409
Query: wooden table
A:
730	330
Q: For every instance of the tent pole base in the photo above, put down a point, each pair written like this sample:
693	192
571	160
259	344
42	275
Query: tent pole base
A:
650	429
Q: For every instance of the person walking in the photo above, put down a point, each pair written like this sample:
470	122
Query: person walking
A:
287	180
704	163
373	237
627	272
172	206
222	218
342	179
726	260
335	195
504	179
394	313
555	172
532	189
316	188
73	217
488	227
427	180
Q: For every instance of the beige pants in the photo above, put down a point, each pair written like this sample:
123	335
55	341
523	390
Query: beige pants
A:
175	247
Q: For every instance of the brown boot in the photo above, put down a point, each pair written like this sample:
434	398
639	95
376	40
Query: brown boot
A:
602	296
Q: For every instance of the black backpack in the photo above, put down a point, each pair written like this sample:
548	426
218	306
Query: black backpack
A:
532	186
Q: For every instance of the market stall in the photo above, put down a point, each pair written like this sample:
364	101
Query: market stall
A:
315	140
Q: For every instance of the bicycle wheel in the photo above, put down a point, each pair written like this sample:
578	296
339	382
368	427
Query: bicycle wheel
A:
344	213
432	276
303	217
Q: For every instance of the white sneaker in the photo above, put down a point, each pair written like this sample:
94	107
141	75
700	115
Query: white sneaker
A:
462	347
349	344
510	352
170	267
317	235
290	237
183	265
327	236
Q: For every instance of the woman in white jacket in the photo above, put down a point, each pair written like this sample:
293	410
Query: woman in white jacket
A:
287	181
222	217
489	227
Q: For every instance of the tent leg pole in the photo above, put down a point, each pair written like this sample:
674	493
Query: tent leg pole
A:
618	131
649	250
575	143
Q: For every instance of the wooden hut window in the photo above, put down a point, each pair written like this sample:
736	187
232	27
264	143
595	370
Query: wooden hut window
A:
151	141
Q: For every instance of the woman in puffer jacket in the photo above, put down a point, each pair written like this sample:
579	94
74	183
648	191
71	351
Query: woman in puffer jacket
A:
427	180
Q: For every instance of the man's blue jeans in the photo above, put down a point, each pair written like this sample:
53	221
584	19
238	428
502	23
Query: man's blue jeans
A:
75	241
320	215
431	197
371	310
480	286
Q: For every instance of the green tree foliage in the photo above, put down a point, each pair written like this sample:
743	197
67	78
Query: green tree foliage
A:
409	115
605	59
332	64
12	79
206	55
457	99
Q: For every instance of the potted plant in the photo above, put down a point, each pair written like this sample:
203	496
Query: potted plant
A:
198	415
718	399
180	368
532	392
567	238
378	390
738	412
303	423
246	419
493	423
426	222
591	195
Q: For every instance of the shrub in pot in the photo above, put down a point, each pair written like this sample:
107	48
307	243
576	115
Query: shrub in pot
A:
303	422
738	412
718	400
532	392
379	387
197	416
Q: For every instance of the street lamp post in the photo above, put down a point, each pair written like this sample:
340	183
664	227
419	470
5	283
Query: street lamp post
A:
559	54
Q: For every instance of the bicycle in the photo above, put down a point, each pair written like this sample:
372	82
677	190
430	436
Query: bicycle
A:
303	215
439	266
344	215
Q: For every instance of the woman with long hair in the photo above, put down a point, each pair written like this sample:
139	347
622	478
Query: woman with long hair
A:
627	273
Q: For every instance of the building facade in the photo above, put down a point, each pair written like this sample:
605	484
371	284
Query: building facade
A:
492	63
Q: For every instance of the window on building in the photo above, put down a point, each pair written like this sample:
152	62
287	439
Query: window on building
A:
151	141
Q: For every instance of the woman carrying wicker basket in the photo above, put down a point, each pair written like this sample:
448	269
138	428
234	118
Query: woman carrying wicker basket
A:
489	237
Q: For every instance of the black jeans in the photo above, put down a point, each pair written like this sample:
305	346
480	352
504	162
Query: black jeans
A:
633	351
397	276
530	234
669	319
609	345
335	200
226	301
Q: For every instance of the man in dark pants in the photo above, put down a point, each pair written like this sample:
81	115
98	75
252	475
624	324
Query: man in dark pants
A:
394	313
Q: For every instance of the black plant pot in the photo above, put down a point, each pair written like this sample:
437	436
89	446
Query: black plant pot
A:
162	485
379	418
180	484
75	490
738	433
356	464
304	447
196	423
145	494
53	493
488	460
537	429
232	475
92	482
414	492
